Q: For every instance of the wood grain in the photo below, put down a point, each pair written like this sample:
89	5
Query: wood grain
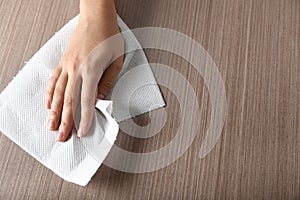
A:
255	44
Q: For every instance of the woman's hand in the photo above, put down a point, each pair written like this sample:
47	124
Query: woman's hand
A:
97	71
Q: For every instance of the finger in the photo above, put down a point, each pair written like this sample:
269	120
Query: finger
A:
51	86
57	102
76	101
67	111
109	77
87	105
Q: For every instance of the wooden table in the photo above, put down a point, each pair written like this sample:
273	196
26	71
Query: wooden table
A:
256	46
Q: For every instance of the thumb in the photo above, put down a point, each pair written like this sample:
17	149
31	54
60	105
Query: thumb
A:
109	77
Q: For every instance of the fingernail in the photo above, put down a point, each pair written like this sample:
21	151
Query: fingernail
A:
51	124
80	132
59	136
101	96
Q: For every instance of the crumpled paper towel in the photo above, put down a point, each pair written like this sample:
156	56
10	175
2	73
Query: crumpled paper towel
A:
23	115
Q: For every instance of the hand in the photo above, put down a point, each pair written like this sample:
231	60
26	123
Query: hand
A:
97	71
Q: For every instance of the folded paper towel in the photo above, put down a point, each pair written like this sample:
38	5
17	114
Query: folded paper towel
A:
23	116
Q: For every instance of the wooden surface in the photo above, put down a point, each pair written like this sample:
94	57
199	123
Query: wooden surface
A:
256	46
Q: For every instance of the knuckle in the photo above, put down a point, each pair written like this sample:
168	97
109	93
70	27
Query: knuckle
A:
53	113
56	72
106	85
85	101
73	67
59	92
89	70
68	100
53	78
65	124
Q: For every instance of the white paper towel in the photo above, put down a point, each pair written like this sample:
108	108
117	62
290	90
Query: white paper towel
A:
23	116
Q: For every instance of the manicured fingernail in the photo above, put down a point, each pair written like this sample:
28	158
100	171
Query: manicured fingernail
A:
59	136
101	96
51	124
80	132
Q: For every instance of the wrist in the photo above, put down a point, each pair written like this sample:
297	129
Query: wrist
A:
90	9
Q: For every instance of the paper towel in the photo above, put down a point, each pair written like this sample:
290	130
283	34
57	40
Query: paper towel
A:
23	116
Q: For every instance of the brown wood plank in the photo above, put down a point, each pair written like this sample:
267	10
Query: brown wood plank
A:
255	44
